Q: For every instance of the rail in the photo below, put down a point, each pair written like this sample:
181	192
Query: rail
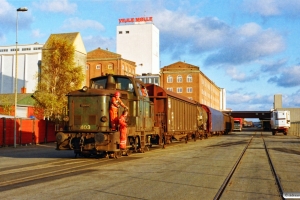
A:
280	188
222	188
226	181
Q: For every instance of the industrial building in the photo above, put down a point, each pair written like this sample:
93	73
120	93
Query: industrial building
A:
29	57
138	41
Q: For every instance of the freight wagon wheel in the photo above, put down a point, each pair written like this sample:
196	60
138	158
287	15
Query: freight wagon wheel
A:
86	155
136	144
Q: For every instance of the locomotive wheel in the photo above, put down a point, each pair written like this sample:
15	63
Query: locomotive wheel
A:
117	154
126	152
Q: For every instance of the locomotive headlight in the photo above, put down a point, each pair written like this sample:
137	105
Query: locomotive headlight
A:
85	88
103	119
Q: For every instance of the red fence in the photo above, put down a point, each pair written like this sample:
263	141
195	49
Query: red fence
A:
28	131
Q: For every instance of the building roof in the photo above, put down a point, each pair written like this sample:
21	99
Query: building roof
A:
102	54
180	65
184	67
25	99
74	38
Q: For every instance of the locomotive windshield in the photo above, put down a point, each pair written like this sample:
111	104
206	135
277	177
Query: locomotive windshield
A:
99	83
113	82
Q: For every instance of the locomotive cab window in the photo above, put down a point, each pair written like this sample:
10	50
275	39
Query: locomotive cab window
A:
120	83
99	84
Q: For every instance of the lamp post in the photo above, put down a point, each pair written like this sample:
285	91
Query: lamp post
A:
23	9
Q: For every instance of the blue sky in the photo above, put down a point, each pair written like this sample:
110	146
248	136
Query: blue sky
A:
248	47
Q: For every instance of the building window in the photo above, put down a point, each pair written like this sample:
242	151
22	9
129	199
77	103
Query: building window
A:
87	67
170	79
179	90
189	90
170	89
127	32
98	66
179	79
150	80
120	32
3	50
122	67
189	78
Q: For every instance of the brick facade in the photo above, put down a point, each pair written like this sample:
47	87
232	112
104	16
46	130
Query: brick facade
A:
188	80
101	62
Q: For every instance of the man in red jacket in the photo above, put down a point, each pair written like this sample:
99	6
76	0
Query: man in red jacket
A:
116	102
123	129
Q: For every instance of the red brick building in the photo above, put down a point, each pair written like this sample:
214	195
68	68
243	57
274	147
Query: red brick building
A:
188	80
101	62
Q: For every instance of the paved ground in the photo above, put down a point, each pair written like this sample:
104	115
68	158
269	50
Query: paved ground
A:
195	170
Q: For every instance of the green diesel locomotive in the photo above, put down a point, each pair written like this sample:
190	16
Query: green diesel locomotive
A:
89	131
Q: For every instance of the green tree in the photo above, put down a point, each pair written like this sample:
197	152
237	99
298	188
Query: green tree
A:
58	76
6	104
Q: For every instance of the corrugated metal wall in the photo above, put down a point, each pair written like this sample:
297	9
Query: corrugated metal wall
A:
29	131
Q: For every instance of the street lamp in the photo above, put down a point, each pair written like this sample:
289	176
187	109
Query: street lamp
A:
23	9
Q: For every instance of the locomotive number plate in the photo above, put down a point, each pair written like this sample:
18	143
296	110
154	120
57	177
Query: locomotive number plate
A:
85	127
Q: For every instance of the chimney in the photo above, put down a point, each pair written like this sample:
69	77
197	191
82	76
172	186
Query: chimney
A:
23	90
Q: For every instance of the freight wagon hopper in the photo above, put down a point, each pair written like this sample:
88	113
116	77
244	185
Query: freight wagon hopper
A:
175	116
215	122
228	123
89	130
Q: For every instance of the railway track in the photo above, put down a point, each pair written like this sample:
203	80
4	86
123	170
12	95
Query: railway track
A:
228	179
47	171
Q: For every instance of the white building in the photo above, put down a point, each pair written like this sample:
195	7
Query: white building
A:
29	58
138	41
223	99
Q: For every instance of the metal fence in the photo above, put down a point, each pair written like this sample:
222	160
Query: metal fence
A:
294	129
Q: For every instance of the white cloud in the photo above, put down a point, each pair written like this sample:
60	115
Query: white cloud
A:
248	101
80	24
236	74
8	16
94	42
185	35
37	33
63	6
273	7
287	77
